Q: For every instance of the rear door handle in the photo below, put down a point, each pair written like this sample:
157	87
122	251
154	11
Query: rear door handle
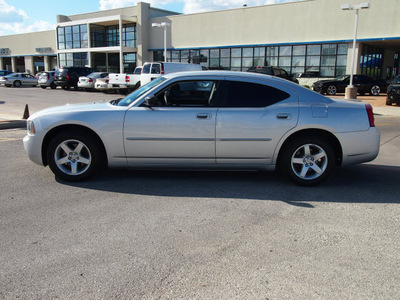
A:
203	116
284	116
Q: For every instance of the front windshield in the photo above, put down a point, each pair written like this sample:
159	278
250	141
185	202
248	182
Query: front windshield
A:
140	91
342	77
396	80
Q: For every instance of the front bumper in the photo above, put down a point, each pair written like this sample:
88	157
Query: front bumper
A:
317	89
393	97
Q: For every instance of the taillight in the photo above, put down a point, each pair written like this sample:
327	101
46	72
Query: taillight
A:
162	71
370	115
106	80
127	79
90	80
48	76
67	76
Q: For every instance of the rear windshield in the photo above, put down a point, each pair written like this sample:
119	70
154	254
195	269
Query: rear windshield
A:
62	72
138	71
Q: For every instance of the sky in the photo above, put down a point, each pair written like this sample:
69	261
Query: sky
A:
22	16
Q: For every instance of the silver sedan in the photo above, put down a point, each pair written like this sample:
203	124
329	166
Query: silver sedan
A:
208	120
18	79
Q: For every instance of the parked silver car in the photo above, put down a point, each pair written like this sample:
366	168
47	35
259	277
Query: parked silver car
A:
87	82
18	79
46	79
101	84
207	119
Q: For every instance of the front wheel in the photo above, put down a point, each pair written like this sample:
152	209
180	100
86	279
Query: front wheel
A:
17	83
74	156
375	90
307	160
331	90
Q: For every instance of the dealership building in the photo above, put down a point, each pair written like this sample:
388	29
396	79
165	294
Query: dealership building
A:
312	37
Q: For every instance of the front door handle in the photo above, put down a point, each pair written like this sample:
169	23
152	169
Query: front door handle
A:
203	116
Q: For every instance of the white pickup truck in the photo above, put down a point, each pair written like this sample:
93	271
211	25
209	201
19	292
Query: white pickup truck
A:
124	82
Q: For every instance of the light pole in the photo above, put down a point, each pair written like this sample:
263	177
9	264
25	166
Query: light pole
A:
164	25
351	91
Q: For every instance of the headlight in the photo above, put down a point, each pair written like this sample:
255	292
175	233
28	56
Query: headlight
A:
30	126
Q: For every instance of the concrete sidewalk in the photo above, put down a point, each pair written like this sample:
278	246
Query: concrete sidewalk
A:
10	121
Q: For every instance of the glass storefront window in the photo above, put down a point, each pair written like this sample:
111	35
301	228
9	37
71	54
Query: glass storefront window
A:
299	50
236	52
313	49
272	51
320	59
329	49
285	50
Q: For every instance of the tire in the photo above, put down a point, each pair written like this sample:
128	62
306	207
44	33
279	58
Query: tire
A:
331	90
74	156
53	86
307	160
388	101
8	85
17	83
43	87
375	90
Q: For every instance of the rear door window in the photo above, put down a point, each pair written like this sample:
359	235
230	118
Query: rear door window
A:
248	94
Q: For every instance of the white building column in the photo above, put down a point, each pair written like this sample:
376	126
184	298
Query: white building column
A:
1	64
29	65
47	63
14	64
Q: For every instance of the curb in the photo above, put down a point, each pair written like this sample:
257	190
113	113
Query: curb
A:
12	124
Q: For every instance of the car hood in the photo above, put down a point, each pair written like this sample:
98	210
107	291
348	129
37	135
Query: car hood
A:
325	81
396	86
80	107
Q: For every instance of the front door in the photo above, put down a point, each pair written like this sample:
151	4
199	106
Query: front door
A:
178	130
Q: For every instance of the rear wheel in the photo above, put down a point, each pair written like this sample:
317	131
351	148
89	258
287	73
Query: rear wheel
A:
74	156
331	90
43	87
307	160
375	90
53	86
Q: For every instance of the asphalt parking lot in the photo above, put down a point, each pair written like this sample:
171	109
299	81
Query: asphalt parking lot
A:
195	235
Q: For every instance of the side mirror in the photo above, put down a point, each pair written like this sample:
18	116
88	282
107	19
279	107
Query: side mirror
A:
150	101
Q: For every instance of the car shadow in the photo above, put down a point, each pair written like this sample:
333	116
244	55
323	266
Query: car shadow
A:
365	183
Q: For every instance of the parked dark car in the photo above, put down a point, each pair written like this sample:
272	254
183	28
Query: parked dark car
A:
68	77
5	72
365	84
273	71
393	92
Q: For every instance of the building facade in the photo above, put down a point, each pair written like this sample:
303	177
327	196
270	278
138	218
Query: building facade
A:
310	37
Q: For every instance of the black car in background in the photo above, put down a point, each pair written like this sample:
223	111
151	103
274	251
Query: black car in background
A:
393	92
273	71
68	77
365	85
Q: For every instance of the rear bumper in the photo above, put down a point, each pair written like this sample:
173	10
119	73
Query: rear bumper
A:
359	147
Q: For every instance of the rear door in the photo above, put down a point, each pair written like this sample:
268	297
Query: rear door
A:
252	118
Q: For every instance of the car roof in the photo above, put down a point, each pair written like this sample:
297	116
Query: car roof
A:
224	74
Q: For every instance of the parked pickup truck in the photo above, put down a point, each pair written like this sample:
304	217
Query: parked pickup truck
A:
125	83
